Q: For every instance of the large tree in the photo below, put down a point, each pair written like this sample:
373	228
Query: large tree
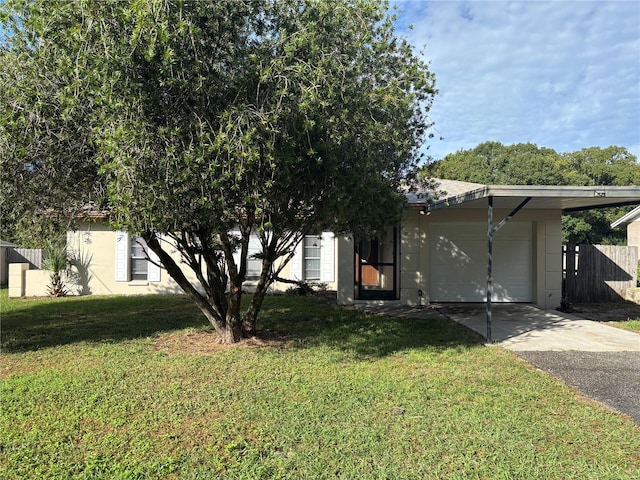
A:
528	164
204	122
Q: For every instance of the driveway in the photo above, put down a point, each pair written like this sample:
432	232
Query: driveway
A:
524	327
600	361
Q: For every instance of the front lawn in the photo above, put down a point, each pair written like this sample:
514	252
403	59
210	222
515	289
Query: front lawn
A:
137	388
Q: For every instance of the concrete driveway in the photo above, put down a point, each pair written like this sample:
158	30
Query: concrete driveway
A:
524	327
600	361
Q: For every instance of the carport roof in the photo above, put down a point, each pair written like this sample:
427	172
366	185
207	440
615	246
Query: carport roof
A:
632	216
454	194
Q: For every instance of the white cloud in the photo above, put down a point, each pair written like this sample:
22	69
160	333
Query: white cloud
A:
564	75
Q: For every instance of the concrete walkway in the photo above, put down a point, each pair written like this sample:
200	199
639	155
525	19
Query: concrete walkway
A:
600	361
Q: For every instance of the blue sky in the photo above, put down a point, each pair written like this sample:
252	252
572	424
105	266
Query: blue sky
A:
560	74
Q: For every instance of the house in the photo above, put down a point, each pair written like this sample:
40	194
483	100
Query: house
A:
632	221
444	247
439	252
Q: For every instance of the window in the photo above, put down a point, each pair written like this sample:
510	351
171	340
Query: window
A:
254	265
131	261
311	252
314	259
139	265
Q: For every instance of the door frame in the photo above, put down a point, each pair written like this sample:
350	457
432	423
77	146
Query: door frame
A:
364	293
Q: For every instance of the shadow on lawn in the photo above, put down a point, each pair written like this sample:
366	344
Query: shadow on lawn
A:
305	321
364	334
32	324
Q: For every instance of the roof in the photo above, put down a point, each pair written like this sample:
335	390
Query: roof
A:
564	197
4	243
632	216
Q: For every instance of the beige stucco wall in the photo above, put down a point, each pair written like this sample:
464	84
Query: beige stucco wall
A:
93	246
547	251
345	270
17	279
414	254
92	249
633	234
36	282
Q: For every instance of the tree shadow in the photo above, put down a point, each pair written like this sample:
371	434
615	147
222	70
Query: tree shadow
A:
34	324
364	334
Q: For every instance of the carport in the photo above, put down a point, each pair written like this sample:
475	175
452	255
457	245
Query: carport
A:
514	199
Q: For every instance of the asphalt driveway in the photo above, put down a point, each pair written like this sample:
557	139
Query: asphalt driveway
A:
612	378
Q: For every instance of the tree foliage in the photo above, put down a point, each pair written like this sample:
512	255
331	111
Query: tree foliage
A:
527	164
206	121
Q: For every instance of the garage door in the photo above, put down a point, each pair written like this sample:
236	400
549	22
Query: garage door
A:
458	262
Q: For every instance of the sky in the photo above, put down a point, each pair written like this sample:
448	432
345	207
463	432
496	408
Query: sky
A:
560	74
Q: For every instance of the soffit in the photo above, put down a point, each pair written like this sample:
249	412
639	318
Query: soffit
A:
566	198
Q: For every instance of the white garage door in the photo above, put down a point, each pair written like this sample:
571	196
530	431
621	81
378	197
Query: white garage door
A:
458	262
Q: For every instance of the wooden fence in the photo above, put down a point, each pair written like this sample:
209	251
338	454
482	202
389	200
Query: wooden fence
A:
599	273
32	256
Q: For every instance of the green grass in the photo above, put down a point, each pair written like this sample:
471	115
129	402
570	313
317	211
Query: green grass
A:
631	324
88	392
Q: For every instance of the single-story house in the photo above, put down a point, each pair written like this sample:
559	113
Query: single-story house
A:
632	221
438	253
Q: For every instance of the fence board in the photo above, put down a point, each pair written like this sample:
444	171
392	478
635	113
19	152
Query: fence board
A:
602	273
32	256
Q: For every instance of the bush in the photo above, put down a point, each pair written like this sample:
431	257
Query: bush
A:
56	260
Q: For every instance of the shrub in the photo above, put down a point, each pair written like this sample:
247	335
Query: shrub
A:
56	260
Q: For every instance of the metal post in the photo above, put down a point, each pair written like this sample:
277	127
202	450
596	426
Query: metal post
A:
489	265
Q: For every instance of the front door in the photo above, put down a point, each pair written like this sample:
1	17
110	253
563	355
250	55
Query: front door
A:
376	267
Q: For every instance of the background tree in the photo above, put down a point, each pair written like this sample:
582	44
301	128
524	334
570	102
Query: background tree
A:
528	164
206	121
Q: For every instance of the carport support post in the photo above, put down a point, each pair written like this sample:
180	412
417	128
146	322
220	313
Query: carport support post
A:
491	230
489	266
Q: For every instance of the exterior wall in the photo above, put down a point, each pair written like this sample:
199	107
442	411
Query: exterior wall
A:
633	234
414	251
345	272
36	282
414	259
17	279
328	265
93	249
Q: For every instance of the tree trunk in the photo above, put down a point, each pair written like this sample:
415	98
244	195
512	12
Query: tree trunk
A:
233	323
226	324
250	317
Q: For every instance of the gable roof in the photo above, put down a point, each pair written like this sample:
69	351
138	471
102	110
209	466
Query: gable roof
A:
632	216
564	197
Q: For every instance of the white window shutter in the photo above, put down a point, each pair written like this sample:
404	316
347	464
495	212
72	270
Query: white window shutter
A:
327	256
153	270
295	265
122	256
